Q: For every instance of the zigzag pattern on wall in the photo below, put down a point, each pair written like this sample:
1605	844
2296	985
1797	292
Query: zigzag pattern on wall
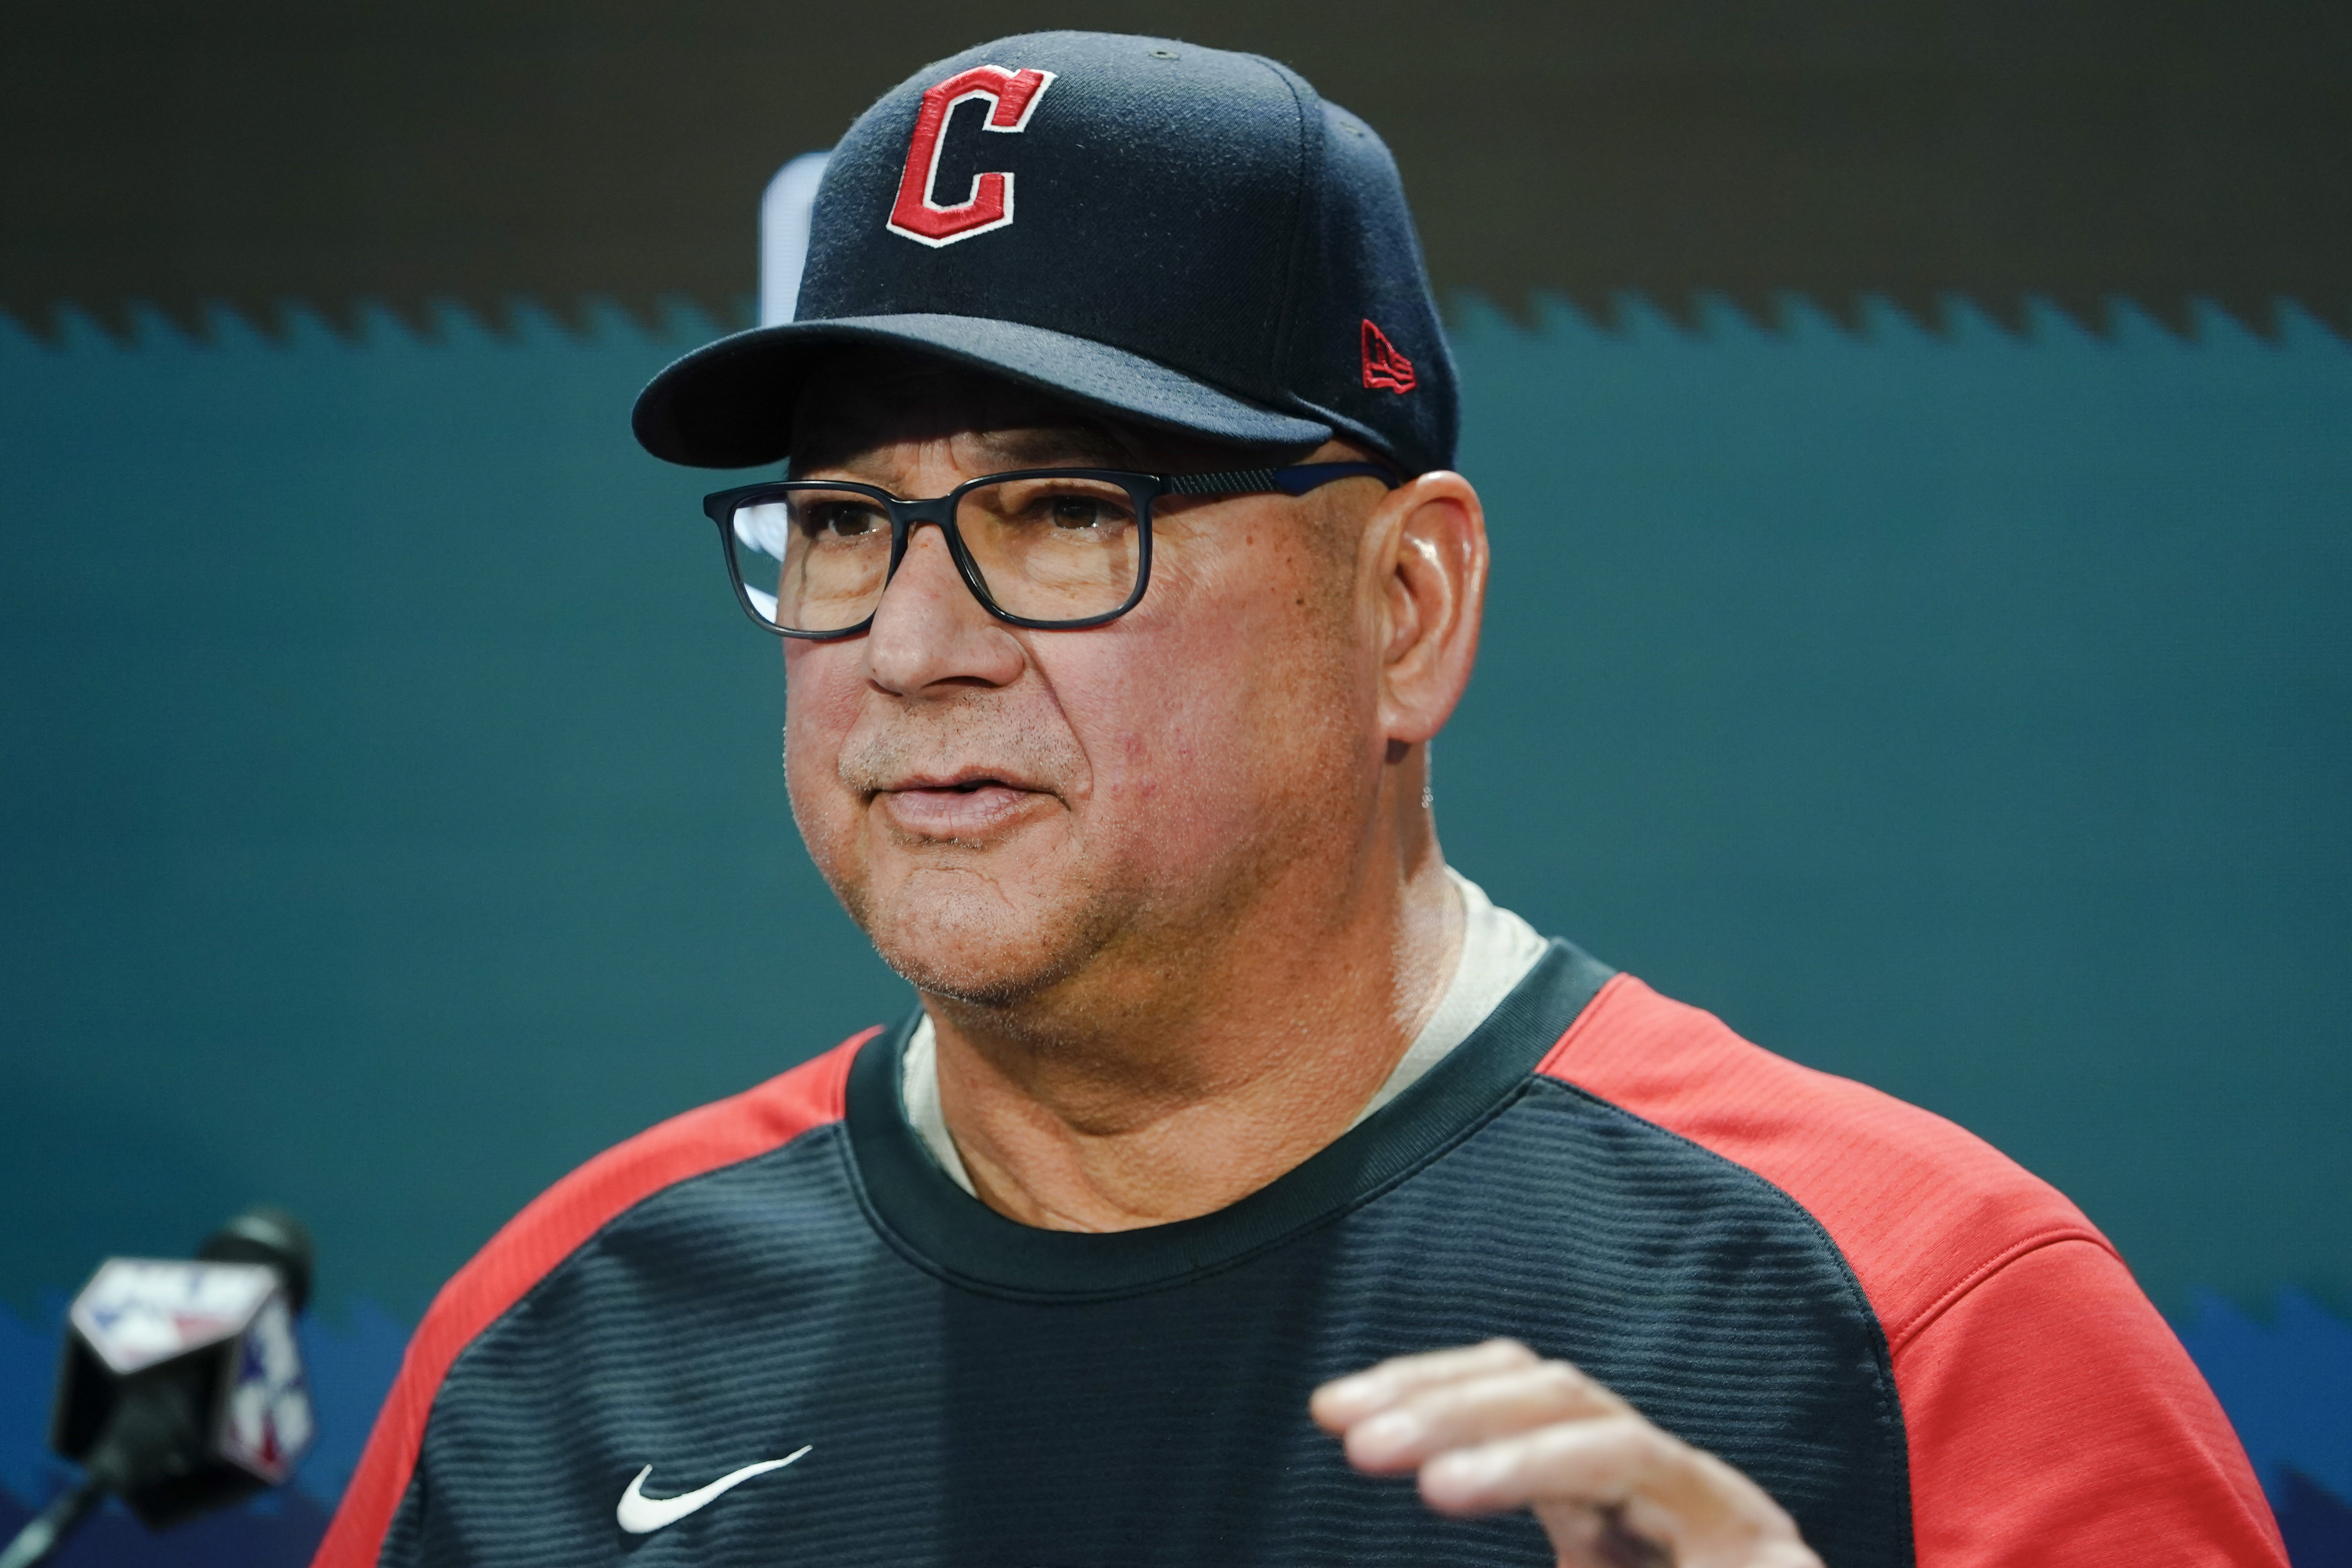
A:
2022	313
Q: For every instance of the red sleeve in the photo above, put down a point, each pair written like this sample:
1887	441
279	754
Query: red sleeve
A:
2050	1415
554	1225
2053	1418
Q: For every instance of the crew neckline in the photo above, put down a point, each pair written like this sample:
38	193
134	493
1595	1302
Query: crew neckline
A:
945	1230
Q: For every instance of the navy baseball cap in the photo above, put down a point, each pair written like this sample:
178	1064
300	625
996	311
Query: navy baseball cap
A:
1184	237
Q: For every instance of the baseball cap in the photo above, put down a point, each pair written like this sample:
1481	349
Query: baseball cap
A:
1188	237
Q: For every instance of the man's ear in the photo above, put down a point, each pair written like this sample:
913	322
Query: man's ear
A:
1431	565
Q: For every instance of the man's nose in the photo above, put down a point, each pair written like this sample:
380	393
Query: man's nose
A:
929	630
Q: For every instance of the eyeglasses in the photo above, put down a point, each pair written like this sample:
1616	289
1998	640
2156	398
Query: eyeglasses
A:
1048	547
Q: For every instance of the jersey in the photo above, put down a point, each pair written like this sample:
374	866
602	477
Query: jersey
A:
1926	1354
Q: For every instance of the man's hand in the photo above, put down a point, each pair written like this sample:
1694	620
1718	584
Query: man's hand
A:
1494	1428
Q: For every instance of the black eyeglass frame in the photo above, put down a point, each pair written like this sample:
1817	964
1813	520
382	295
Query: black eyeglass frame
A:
906	516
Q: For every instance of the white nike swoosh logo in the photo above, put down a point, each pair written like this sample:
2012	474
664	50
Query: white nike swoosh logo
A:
642	1515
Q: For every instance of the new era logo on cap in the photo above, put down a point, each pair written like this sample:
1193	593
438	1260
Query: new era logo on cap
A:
1201	240
1383	366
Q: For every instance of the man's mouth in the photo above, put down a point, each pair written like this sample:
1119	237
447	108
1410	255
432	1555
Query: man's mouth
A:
960	808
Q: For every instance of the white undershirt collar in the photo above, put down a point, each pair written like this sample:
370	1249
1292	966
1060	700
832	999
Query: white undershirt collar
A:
1498	948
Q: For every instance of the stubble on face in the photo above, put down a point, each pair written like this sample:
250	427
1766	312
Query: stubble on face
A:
966	916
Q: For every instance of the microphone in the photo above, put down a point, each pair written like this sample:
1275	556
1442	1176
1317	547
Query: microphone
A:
182	1387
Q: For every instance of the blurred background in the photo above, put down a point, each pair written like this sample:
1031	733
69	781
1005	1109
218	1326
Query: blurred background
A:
1918	438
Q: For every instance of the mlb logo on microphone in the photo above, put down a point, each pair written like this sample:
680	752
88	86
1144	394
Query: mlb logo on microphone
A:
137	1314
266	1421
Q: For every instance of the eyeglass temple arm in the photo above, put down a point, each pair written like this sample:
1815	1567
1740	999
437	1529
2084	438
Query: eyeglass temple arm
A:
1295	481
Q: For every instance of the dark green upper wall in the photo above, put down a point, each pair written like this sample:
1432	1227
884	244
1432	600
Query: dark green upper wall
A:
259	151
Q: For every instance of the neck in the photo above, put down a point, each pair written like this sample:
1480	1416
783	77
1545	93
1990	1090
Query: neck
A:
1125	1102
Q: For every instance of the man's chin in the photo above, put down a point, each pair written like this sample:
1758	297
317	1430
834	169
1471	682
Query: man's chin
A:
971	948
999	980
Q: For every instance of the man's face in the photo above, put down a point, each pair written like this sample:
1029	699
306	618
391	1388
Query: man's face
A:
1007	811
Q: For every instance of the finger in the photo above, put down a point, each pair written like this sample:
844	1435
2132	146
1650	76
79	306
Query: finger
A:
1623	1469
1600	1538
1472	1410
1341	1404
1595	1462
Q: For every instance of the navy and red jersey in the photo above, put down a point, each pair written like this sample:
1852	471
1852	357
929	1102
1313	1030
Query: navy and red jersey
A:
1923	1352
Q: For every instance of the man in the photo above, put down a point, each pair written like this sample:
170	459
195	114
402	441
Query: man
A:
1241	1158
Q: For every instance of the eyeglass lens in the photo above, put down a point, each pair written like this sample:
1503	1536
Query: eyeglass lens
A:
813	559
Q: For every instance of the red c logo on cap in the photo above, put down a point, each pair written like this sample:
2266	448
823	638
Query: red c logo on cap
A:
1012	97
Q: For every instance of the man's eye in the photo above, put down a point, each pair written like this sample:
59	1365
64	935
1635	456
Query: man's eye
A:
1083	512
839	520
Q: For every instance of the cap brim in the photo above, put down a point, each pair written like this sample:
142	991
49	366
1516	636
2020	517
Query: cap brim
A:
729	405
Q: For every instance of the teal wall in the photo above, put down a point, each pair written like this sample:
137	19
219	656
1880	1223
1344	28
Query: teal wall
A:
397	816
1972	716
394	814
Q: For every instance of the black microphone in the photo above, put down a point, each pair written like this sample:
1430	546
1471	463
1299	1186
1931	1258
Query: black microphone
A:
182	1387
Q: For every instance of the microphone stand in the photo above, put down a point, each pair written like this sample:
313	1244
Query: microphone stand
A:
47	1530
141	1429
